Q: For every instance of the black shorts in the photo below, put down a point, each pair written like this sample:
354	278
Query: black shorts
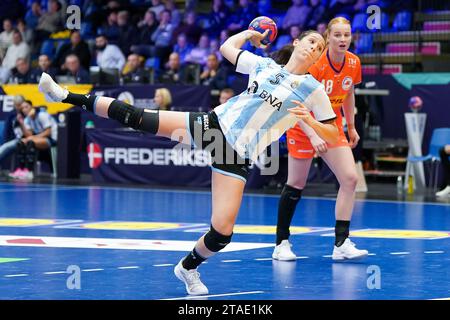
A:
206	134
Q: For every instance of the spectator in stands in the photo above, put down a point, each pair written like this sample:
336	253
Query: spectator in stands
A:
176	15
214	48
22	73
127	32
225	95
316	15
246	12
182	47
162	99
200	53
173	72
18	49
213	75
49	22
217	18
224	35
13	129
76	46
444	153
294	32
322	27
162	36
44	65
296	14
75	70
41	132
108	55
146	27
340	7
6	37
27	33
33	15
190	28
133	71
110	28
157	7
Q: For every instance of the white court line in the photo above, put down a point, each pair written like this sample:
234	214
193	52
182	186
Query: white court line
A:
215	295
263	259
327	256
226	261
55	272
302	257
399	253
16	275
164	265
130	267
92	270
372	254
438	251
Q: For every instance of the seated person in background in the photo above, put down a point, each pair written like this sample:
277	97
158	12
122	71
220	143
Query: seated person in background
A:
44	65
18	49
75	70
41	132
162	99
297	14
173	72
108	55
22	73
133	72
14	129
76	46
444	152
182	47
225	94
294	32
200	53
213	75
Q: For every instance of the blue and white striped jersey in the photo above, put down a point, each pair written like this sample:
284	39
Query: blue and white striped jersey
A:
258	116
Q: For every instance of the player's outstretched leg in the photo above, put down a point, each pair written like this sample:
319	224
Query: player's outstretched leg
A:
128	115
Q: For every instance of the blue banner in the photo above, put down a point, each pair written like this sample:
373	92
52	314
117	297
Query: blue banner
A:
135	157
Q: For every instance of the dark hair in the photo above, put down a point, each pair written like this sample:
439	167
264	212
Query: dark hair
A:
29	102
283	55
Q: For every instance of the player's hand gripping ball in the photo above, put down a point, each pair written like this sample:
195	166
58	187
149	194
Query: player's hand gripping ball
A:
261	24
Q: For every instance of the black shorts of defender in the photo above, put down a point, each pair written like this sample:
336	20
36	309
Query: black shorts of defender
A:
206	134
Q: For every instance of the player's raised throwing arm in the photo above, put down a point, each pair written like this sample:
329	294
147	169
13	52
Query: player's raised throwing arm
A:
231	48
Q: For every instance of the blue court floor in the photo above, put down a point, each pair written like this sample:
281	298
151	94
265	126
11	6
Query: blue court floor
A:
73	242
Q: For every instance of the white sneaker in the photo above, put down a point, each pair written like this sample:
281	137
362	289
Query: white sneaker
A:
52	91
444	192
191	279
348	251
283	252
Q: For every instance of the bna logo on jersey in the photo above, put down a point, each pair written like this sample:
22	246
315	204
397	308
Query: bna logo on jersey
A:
126	97
347	83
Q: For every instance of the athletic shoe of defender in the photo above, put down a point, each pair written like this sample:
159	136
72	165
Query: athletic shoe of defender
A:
444	192
191	279
348	251
283	252
52	91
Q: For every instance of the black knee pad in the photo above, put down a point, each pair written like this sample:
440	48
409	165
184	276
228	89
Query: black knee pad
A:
126	114
136	118
150	121
215	241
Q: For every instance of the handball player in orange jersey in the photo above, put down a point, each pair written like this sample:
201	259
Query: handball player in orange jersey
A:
339	71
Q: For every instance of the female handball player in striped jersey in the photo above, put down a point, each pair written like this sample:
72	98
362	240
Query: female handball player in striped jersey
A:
338	70
277	98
